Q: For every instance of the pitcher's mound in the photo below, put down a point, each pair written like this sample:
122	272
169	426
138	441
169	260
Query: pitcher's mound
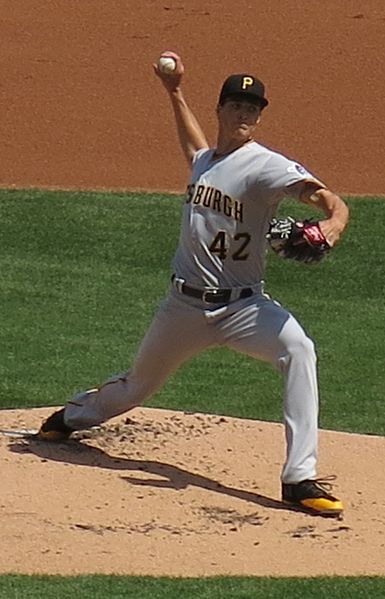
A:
158	492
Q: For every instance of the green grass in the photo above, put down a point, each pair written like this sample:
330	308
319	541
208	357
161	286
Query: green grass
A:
114	587
81	275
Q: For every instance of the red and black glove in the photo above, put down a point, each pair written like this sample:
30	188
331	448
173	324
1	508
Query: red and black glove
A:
295	240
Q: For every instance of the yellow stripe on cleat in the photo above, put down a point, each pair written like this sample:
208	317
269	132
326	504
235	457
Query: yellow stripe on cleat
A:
54	436
323	505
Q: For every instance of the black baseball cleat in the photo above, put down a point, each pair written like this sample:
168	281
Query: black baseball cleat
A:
313	495
54	429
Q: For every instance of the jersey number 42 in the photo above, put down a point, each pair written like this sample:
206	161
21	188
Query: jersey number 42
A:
220	246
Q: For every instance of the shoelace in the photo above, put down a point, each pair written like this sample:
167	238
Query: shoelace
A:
325	483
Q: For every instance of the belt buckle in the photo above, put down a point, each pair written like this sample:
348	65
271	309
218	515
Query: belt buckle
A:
213	292
204	295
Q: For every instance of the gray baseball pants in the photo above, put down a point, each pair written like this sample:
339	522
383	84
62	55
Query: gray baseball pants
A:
183	327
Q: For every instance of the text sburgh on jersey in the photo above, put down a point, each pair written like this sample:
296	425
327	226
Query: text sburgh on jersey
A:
213	198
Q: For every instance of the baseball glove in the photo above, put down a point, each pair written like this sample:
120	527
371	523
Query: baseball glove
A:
301	241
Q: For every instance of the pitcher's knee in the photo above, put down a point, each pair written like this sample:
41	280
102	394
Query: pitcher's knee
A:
299	347
303	348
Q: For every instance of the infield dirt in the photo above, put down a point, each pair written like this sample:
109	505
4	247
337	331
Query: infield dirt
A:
81	106
168	493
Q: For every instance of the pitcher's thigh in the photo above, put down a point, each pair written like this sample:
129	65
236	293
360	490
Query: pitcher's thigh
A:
176	333
268	332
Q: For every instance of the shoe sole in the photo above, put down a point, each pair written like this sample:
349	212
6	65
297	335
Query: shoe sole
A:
53	436
329	512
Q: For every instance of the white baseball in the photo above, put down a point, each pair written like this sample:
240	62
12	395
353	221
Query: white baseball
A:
166	64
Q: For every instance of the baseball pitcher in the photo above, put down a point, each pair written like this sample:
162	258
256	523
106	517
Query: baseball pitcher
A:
216	295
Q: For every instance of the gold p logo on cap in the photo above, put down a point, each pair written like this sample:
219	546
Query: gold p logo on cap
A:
246	82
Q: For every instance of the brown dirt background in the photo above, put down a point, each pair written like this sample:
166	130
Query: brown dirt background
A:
173	493
80	106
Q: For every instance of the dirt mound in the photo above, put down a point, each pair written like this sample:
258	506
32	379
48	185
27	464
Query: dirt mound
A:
169	493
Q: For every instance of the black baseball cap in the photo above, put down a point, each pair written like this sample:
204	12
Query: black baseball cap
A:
244	86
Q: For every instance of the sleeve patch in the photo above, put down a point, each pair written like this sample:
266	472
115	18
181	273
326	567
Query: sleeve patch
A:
297	168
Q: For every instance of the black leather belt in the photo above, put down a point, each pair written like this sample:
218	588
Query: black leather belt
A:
212	296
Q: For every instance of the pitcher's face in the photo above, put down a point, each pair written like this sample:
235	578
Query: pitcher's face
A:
238	119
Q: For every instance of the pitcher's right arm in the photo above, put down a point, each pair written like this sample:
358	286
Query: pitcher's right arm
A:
190	134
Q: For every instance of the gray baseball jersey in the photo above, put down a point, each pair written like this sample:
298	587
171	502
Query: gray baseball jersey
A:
229	203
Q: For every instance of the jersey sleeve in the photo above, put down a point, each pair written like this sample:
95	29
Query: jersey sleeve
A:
280	173
198	154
